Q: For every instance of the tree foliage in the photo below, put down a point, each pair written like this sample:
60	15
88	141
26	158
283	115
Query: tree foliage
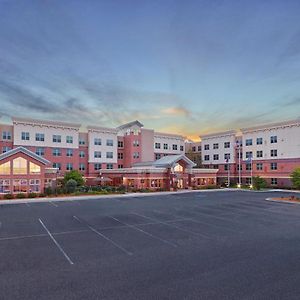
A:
71	185
295	176
75	175
259	183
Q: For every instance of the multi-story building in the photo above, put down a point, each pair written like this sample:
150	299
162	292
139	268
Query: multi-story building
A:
271	151
193	150
64	147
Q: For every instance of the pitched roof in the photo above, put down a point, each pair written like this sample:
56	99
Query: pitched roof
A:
167	161
136	122
26	152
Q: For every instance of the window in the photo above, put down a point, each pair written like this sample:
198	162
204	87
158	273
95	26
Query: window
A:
4	186
69	167
5	149
40	151
174	147
81	141
273	166
109	155
274	181
249	154
136	143
166	146
157	145
81	167
227	156
109	142
69	139
69	152
157	156
273	139
25	136
194	149
248	180
34	168
181	148
199	148
226	167
20	166
259	154
216	156
97	154
6	135
136	154
5	168
34	185
57	166
120	166
240	154
216	166
40	137
109	166
248	142
20	185
56	138
81	154
120	155
259	166
206	147
97	141
227	145
248	167
259	141
215	146
120	144
273	153
56	152
239	168
206	157
97	167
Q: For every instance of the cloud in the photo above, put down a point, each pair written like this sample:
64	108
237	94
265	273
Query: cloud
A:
177	111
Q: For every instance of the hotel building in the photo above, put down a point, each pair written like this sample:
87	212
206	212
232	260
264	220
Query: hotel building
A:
271	151
59	147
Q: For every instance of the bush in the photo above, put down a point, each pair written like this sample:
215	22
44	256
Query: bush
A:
48	191
295	177
259	183
8	196
32	195
42	195
74	175
21	196
71	185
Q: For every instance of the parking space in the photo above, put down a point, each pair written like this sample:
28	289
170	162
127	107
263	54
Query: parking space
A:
212	245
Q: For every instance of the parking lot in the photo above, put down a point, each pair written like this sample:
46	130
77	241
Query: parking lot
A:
204	245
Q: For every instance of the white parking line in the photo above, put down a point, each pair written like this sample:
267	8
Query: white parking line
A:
56	243
103	236
53	203
174	226
145	232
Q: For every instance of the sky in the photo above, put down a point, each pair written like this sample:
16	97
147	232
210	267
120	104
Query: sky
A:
187	67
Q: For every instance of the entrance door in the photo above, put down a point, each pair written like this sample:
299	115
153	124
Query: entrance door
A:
180	183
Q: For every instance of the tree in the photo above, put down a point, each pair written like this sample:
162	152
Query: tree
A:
75	175
259	183
295	176
71	185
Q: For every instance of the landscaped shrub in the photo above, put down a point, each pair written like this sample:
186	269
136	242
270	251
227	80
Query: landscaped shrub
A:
48	191
41	195
21	196
259	183
32	195
71	185
295	177
8	196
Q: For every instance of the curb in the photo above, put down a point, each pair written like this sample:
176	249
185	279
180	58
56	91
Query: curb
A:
282	201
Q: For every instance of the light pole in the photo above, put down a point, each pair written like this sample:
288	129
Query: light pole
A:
239	146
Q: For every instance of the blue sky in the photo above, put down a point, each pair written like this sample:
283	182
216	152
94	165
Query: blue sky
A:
188	67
